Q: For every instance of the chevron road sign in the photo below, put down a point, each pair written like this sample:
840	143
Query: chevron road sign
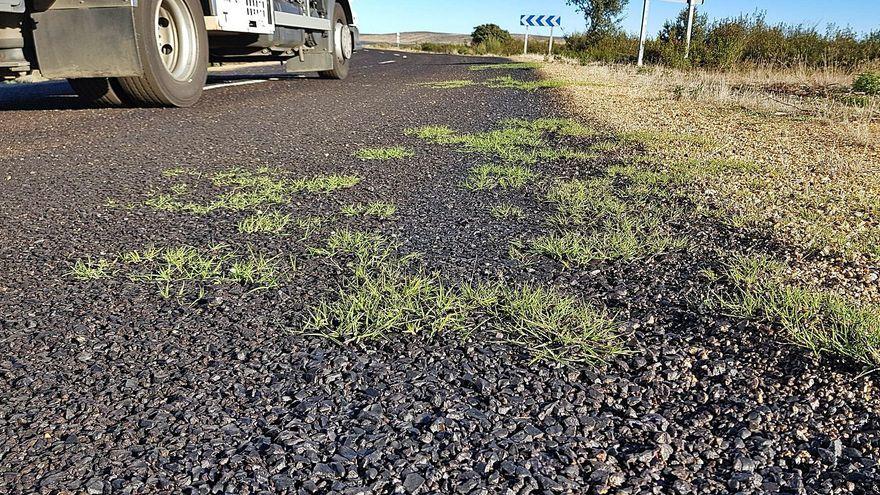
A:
549	21
540	20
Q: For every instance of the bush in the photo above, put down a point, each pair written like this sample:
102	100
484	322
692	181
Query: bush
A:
868	83
489	32
735	41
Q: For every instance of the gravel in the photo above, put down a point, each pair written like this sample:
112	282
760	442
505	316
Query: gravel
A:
108	388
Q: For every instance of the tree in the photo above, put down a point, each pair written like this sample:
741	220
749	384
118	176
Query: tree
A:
488	32
676	31
602	16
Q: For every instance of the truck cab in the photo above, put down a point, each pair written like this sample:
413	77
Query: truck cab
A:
156	52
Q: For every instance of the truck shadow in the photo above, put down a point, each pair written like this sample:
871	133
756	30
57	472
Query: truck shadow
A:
58	95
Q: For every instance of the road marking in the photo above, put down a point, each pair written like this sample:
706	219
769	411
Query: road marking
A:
236	83
387	62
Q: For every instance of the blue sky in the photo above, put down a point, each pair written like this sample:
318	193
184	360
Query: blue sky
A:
460	16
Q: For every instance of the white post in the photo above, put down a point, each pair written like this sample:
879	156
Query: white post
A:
526	45
690	28
644	34
550	49
398	40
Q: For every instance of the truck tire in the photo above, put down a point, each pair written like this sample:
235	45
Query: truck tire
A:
99	91
173	46
341	44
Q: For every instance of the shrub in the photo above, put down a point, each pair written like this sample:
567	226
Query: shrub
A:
486	32
868	83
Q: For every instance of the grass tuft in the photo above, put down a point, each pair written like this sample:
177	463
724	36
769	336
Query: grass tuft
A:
269	223
491	176
516	140
508	82
822	321
507	66
390	153
387	296
379	209
507	211
89	269
453	84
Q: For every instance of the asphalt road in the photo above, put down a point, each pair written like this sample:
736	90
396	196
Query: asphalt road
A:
107	387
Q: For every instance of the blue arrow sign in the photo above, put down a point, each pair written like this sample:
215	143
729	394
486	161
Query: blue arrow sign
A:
540	20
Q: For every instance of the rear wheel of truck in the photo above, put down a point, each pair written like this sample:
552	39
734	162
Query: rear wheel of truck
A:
173	47
342	46
99	91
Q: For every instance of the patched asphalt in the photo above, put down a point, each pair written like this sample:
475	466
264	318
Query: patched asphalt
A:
109	388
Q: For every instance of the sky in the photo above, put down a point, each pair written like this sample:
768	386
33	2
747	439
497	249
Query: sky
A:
460	16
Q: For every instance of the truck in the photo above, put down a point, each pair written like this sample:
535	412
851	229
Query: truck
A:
157	52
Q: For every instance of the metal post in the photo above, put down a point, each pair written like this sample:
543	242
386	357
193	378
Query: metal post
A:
644	34
526	46
398	40
550	49
690	29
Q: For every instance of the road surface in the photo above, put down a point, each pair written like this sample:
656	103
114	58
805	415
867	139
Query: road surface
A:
109	386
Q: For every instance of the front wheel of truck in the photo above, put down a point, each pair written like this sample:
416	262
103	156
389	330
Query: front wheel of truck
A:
173	47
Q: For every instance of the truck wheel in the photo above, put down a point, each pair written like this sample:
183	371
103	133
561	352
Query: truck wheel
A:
99	91
342	45
173	47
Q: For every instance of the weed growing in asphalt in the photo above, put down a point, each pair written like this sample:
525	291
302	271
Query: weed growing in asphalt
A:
438	134
390	153
507	66
594	222
508	82
386	295
379	209
453	84
325	184
490	176
311	224
243	189
621	238
89	269
269	223
515	141
822	321
178	270
507	211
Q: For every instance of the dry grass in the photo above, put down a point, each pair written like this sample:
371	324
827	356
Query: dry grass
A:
804	167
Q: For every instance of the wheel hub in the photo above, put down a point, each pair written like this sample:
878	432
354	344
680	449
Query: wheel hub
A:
176	38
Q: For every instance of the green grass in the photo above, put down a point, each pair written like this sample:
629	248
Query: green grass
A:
491	176
514	141
453	84
438	134
594	223
386	295
89	269
822	321
508	82
390	153
269	223
580	201
325	184
255	269
563	127
379	209
242	189
311	224
507	66
507	211
625	241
